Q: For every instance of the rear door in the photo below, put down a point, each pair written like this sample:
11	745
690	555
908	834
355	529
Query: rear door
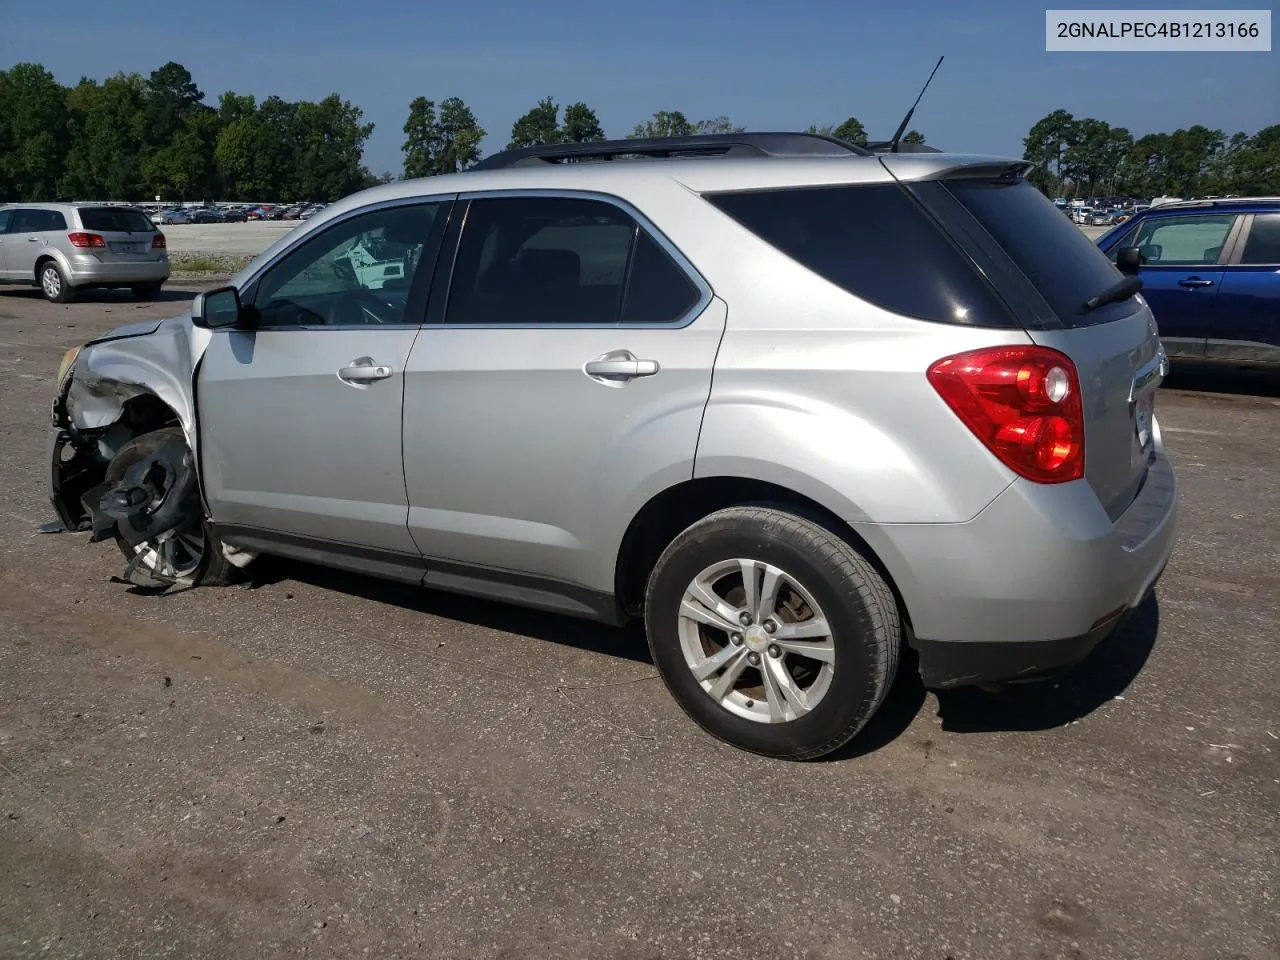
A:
1248	315
1115	347
128	234
561	385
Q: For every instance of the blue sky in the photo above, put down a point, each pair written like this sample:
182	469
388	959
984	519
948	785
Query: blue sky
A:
763	65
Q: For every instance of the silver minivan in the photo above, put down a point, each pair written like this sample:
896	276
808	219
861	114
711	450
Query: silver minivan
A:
794	405
66	247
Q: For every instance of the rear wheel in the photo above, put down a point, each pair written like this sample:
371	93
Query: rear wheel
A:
191	552
54	285
771	632
147	291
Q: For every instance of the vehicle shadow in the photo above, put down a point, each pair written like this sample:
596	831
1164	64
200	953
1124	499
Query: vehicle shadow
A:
179	293
1105	674
1241	379
626	643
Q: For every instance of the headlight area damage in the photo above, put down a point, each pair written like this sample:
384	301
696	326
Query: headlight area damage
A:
123	456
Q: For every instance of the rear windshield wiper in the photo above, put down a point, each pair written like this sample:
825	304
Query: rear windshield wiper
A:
1121	290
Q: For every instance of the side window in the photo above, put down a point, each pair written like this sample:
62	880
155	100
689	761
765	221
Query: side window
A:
1125	241
540	260
38	221
1263	245
1175	241
658	291
6	217
357	272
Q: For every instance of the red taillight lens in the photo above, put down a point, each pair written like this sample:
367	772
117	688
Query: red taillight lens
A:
158	242
84	240
1023	403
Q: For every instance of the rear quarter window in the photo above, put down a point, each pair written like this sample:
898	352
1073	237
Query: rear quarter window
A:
111	220
1064	265
876	242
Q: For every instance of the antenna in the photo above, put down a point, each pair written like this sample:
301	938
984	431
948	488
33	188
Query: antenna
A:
902	127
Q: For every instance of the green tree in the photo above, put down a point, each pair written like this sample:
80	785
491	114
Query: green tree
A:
913	136
458	146
186	169
717	125
664	123
422	137
581	125
332	144
1255	168
106	131
851	131
540	125
33	133
1045	146
171	96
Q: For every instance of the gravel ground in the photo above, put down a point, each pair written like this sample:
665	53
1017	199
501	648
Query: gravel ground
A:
318	764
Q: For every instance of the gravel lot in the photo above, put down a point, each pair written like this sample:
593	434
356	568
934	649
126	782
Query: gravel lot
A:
327	765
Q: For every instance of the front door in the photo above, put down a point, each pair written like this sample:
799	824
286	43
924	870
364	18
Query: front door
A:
561	385
300	413
1182	276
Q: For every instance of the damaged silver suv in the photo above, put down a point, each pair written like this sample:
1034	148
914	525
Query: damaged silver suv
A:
793	403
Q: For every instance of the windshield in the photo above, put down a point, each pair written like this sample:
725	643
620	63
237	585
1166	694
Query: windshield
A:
117	219
1064	265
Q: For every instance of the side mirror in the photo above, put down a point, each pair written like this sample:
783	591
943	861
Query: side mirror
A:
216	309
1129	260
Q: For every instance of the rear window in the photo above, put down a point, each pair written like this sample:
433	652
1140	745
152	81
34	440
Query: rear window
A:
876	242
109	219
1059	260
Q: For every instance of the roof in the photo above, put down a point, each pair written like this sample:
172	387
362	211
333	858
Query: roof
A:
1230	203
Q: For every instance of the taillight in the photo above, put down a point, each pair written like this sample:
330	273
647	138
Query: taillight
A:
84	240
158	242
1023	403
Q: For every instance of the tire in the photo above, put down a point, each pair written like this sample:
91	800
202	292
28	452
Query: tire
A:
147	291
211	567
53	284
856	657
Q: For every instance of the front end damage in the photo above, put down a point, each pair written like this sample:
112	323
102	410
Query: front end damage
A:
136	382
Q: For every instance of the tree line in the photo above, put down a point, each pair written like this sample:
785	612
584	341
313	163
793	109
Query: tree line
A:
131	137
1087	157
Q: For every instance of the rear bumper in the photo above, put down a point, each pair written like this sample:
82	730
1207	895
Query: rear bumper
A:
89	271
1032	583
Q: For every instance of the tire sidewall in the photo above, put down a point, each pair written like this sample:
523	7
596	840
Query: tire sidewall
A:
125	538
854	692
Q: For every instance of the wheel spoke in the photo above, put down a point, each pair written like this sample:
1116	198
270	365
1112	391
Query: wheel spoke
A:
716	662
768	601
701	604
814	627
783	695
733	669
824	650
165	565
750	584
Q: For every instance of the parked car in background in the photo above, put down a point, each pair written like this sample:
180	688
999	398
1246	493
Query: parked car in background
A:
235	215
65	247
173	215
1211	272
206	215
747	418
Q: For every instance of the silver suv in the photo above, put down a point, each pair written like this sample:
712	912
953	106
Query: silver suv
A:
65	247
794	404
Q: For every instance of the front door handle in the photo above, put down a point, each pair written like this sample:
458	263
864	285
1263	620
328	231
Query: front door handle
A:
363	370
621	369
1195	282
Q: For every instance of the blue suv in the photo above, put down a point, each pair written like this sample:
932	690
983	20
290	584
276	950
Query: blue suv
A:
1210	271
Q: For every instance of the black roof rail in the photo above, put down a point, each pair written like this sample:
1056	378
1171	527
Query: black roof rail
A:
699	145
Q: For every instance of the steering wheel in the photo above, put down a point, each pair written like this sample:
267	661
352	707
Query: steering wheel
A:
358	308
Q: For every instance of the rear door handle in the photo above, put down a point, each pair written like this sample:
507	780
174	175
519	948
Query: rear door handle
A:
621	369
363	370
1195	282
